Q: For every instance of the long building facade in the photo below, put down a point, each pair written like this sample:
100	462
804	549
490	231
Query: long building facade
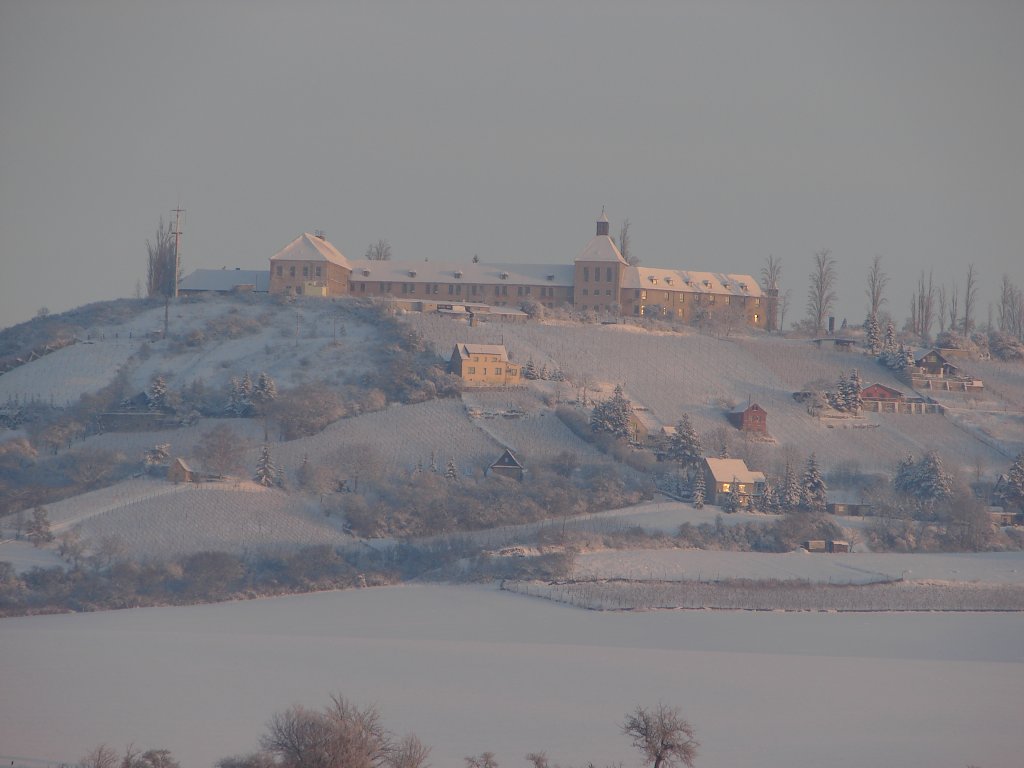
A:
599	280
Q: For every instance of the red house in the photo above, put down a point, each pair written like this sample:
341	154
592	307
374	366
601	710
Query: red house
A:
753	418
880	392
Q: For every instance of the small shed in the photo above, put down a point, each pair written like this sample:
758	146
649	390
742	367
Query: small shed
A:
841	502
836	545
814	545
507	465
752	418
180	472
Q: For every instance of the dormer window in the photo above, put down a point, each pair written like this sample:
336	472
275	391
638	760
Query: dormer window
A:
668	281
504	275
551	277
366	273
412	273
654	280
707	283
458	274
743	286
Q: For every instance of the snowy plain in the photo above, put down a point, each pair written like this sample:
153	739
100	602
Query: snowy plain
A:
470	669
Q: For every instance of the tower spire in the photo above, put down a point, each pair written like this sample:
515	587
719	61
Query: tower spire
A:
602	224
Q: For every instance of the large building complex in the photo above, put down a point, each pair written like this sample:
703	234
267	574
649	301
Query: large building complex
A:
599	280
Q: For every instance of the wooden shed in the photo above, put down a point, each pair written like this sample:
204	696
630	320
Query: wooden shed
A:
753	418
180	472
507	465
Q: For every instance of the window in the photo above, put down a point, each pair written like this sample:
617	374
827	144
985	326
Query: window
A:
318	272
511	371
435	288
520	290
497	371
483	371
405	287
586	274
451	289
305	271
607	291
756	318
473	290
636	293
362	287
757	302
597	274
472	369
726	487
608	275
527	290
280	270
643	295
291	271
728	299
458	290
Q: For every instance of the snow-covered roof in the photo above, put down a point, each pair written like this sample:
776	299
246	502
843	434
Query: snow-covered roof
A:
467	350
457	272
601	248
225	279
727	470
688	280
307	247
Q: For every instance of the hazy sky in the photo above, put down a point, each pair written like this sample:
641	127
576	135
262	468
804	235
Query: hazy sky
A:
725	131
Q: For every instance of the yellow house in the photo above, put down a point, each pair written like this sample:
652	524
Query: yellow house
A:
484	365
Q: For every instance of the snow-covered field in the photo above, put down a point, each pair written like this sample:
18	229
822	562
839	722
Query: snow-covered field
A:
61	377
469	669
670	373
848	568
23	556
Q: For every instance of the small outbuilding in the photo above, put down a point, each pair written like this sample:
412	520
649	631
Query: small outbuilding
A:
507	465
752	418
881	393
934	364
180	472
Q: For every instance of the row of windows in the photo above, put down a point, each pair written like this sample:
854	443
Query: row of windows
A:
609	276
483	371
305	271
454	289
597	292
710	297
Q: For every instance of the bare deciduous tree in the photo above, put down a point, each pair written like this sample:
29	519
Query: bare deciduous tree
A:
624	244
220	449
877	280
942	308
379	251
101	757
821	295
784	308
771	273
970	298
662	735
1011	309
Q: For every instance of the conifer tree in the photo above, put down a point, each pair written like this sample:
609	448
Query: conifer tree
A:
451	472
1013	493
905	478
543	372
157	395
933	484
789	499
38	528
699	490
684	446
854	402
732	501
613	415
813	491
530	370
266	472
873	334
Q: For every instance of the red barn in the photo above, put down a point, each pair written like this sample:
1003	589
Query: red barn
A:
753	418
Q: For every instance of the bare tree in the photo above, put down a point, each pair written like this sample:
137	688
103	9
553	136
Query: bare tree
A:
162	274
771	273
821	295
410	752
922	307
954	308
220	449
101	757
662	735
970	298
379	251
624	244
483	760
877	280
783	308
1011	309
942	308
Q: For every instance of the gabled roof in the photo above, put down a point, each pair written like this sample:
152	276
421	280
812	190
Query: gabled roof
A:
889	390
307	247
183	464
937	354
465	351
690	281
601	248
745	408
458	272
727	470
225	279
507	459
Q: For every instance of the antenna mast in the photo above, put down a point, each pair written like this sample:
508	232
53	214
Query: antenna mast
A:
177	246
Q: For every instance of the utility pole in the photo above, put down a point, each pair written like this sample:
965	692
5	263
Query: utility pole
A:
177	246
